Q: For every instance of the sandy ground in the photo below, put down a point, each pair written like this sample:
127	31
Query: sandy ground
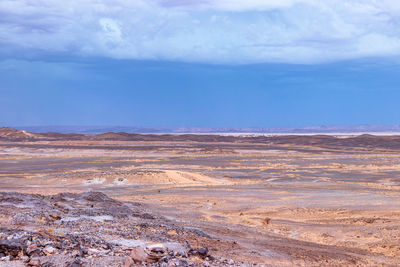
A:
280	205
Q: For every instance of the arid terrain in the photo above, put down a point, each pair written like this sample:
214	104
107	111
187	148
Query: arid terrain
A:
198	200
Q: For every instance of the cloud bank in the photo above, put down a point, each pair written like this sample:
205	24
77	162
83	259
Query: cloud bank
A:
210	31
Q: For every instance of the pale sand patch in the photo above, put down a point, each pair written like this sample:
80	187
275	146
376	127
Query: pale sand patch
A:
92	181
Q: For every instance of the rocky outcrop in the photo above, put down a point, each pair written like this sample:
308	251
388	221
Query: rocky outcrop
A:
91	229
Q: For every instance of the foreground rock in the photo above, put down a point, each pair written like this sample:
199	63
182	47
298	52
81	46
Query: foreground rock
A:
91	229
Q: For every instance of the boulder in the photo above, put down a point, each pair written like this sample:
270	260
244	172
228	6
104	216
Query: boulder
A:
139	254
155	254
203	252
34	262
49	250
129	262
12	247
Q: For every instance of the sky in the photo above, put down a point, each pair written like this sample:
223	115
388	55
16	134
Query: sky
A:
203	63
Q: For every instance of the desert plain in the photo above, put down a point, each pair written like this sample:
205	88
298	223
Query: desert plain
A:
275	201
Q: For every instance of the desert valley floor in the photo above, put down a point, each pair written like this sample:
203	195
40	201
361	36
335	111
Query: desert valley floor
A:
273	201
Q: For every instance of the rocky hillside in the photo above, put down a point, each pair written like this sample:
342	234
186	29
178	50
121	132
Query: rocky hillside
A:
91	229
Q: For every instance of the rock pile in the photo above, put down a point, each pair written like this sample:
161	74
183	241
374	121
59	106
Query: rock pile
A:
91	229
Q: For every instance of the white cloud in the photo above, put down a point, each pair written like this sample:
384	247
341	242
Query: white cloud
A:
233	5
215	31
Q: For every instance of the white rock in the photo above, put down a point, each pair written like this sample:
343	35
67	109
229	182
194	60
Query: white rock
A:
49	250
128	243
93	251
156	245
6	258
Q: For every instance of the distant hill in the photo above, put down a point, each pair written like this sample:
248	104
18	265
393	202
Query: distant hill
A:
364	141
257	130
7	133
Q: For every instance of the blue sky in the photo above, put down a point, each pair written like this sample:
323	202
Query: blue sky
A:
220	63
